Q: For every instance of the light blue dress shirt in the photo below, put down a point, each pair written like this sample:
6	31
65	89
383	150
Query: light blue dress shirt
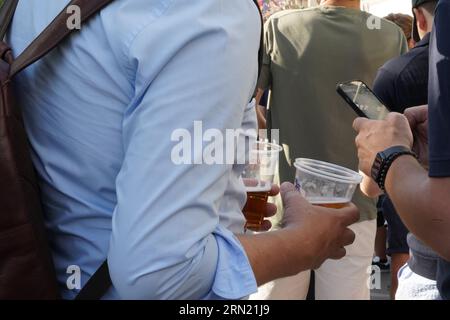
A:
100	111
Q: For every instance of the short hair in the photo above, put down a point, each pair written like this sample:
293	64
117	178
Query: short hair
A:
404	21
429	6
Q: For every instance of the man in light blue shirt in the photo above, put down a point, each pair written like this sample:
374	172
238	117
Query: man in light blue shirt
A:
100	111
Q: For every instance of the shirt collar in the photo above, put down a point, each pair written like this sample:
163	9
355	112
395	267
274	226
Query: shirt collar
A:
424	42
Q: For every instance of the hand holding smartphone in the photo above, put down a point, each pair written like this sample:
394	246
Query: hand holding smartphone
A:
362	100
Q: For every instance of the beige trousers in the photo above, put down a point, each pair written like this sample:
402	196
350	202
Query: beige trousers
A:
345	279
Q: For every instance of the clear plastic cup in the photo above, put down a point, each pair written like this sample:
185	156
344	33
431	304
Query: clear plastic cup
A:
326	184
258	178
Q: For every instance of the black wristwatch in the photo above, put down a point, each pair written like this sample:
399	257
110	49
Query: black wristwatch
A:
384	160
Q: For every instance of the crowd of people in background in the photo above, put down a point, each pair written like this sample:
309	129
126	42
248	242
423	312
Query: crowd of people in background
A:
101	109
308	52
403	83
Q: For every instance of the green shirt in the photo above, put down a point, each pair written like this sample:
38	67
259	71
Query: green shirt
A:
307	53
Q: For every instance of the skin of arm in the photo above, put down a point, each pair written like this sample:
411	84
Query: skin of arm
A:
428	216
260	111
422	202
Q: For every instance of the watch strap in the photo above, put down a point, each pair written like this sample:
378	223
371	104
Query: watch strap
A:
384	161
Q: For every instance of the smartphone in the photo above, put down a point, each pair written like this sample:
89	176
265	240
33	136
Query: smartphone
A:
362	100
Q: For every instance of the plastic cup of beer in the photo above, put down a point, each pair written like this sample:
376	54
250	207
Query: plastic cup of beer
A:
258	178
326	184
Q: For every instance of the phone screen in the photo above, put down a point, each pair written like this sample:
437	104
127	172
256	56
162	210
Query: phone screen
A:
364	99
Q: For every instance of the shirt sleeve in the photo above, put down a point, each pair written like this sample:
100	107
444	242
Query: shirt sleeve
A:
439	93
195	70
265	79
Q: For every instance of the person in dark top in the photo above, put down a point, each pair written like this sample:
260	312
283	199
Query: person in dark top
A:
403	83
398	251
439	121
420	196
400	83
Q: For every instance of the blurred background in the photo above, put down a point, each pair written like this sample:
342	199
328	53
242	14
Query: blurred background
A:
379	8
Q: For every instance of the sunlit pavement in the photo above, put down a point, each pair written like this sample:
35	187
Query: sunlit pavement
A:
383	293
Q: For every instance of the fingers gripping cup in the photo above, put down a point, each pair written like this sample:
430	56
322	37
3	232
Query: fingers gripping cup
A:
258	178
325	184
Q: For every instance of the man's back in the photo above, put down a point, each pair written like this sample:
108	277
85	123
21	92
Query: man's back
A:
403	81
310	52
100	111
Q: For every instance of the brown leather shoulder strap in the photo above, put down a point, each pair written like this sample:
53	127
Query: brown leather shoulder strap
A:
6	15
56	32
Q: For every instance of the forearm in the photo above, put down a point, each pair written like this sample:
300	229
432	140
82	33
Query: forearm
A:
261	116
259	94
420	201
271	255
262	124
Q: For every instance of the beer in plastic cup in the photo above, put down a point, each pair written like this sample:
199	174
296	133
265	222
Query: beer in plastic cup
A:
325	184
258	178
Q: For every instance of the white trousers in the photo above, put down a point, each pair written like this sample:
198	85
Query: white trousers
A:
345	279
411	286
